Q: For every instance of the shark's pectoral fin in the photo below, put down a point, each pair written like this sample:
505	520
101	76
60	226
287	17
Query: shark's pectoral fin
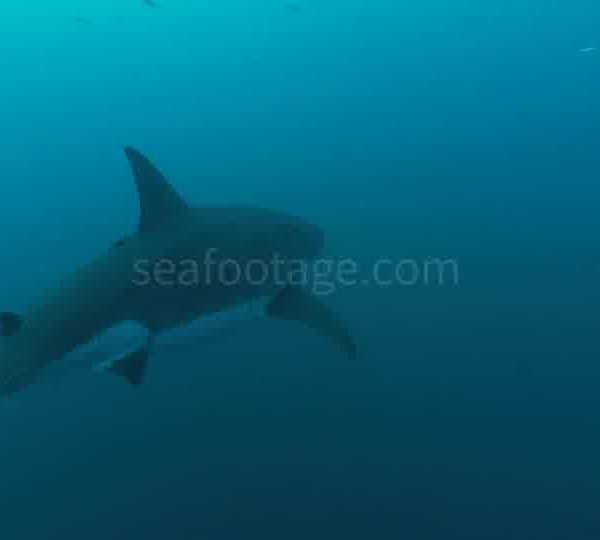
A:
10	324
297	304
131	366
158	200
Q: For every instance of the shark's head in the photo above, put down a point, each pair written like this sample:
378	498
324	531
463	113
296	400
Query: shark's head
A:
278	234
300	238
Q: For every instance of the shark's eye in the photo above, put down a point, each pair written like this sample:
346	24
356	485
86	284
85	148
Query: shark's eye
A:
293	233
292	237
262	243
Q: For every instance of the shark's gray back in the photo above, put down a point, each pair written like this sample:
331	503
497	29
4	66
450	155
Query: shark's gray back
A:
109	289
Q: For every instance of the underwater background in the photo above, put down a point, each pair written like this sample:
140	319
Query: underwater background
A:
464	130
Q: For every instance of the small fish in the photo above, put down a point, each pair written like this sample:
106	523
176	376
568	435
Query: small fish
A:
293	7
150	3
587	50
83	20
252	60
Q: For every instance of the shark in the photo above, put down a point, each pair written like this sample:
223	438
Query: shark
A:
184	271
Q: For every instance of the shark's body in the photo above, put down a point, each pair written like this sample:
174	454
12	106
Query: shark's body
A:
151	289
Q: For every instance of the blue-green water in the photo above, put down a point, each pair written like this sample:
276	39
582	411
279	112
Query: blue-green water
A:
463	130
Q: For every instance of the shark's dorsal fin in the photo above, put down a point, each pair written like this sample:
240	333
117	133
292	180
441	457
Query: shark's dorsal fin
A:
10	324
296	304
158	200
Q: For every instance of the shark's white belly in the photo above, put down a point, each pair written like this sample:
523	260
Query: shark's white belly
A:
187	337
116	343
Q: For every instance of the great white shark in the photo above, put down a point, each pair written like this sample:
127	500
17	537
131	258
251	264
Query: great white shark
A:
151	291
